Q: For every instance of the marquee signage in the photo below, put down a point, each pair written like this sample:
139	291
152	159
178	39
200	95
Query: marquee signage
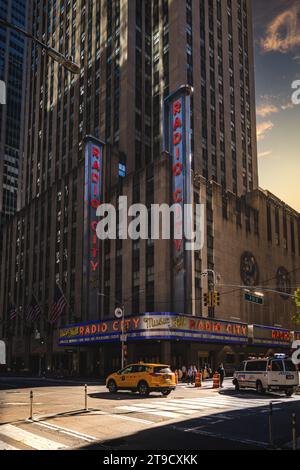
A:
177	142
268	336
93	185
155	326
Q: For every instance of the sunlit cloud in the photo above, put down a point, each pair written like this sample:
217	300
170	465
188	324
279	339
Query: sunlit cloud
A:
283	33
266	109
268	153
263	128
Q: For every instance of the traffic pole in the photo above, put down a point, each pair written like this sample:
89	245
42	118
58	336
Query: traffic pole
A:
85	398
271	425
294	431
31	405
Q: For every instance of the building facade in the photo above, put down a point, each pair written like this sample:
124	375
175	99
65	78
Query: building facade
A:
13	73
133	55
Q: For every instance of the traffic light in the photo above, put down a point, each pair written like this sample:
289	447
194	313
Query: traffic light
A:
206	298
216	299
297	297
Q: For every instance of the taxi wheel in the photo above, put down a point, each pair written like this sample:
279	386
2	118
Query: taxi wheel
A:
112	386
166	392
143	389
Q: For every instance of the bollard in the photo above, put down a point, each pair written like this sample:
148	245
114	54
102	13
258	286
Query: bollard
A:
198	383
85	398
271	425
31	405
216	380
294	431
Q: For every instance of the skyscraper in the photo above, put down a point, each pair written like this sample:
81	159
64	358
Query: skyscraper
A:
13	73
133	54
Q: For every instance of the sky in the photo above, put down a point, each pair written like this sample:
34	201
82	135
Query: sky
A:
277	66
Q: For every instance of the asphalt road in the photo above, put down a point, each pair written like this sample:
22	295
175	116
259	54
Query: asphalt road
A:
189	419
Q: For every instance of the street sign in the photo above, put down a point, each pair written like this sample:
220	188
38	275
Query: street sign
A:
297	297
254	299
118	312
123	338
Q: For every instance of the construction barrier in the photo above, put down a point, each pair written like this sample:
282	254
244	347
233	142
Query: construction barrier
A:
216	380
198	381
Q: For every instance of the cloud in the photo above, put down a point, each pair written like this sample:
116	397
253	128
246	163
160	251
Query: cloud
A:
265	154
266	109
283	33
263	128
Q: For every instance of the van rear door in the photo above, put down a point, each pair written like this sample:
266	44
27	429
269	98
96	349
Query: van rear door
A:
291	373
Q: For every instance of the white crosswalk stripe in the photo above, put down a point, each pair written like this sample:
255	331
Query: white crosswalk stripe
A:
201	406
5	446
28	438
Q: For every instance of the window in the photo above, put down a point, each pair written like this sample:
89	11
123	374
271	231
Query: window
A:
277	366
128	370
257	366
289	366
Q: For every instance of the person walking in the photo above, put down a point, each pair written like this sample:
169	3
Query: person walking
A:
190	375
180	375
183	373
194	374
221	372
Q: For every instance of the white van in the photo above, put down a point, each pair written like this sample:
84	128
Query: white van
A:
270	374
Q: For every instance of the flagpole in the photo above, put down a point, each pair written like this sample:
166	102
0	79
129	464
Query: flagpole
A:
53	324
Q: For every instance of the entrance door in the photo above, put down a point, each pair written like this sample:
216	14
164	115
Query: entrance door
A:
83	364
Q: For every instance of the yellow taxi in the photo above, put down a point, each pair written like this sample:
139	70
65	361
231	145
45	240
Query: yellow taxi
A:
143	378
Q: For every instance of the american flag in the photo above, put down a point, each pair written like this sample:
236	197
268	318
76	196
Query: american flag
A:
33	310
12	312
58	305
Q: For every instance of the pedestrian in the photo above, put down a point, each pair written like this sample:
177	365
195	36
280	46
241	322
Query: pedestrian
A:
190	375
180	375
195	372
221	372
183	373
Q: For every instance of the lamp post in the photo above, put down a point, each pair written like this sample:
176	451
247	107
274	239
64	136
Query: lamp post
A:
122	316
122	308
66	62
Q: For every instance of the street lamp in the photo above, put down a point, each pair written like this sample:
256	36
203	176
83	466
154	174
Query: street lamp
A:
122	307
66	62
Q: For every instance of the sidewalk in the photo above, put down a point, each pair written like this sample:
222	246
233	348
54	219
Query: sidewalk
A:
58	380
206	384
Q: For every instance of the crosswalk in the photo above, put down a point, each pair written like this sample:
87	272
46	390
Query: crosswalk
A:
14	438
200	406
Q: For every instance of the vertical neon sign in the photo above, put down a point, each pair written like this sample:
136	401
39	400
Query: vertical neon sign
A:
177	142
93	192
